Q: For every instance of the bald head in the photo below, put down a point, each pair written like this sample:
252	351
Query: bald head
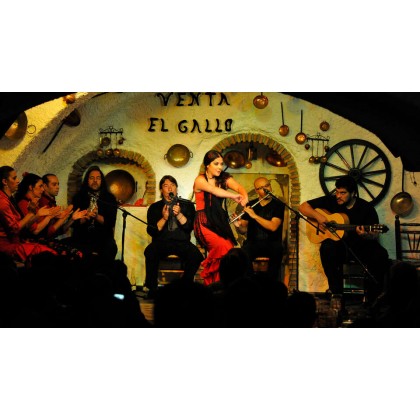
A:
261	184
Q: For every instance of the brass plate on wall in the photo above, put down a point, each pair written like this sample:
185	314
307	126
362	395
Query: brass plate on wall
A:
122	184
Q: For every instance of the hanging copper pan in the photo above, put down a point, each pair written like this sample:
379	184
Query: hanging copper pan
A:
301	137
402	203
284	129
104	142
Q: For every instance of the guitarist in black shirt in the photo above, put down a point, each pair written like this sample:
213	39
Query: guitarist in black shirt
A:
363	243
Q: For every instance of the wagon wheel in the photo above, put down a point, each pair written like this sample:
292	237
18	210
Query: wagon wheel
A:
363	161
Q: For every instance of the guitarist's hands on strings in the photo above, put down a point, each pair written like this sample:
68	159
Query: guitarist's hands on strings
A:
321	219
361	231
308	211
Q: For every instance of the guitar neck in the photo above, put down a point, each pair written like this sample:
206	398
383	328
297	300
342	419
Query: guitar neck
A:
367	228
337	224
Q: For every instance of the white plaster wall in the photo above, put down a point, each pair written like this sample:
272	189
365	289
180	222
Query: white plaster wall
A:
131	111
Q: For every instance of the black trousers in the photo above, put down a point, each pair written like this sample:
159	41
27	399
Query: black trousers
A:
185	250
375	257
273	250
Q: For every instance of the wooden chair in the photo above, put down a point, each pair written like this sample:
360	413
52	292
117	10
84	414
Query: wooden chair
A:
260	264
354	278
170	268
407	242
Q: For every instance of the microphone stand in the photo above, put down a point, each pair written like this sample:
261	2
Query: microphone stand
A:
298	216
125	213
332	230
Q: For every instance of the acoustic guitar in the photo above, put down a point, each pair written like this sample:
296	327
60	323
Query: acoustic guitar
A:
337	226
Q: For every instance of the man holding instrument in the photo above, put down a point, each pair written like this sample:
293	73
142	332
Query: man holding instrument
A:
333	251
170	223
93	233
262	221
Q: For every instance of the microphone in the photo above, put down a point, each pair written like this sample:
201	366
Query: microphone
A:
183	200
271	195
174	198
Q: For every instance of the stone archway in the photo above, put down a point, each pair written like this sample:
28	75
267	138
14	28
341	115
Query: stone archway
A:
127	157
295	191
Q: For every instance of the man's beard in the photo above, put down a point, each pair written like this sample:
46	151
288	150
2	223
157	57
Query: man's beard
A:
94	188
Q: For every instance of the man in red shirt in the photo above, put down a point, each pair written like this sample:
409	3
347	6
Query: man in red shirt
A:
51	190
48	198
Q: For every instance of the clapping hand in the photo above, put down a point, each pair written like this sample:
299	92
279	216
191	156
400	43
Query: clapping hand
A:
54	211
65	213
79	214
165	212
43	211
176	209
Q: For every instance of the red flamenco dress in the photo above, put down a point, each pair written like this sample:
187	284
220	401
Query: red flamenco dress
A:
215	235
10	240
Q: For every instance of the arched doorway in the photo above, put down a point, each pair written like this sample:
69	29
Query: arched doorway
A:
294	191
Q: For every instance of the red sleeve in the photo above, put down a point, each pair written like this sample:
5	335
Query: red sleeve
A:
9	216
23	205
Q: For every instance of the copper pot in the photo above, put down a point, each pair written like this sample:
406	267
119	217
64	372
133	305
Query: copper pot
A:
18	129
260	101
234	159
105	142
275	159
324	126
178	155
70	99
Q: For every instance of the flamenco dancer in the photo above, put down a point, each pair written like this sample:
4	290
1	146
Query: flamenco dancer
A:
211	225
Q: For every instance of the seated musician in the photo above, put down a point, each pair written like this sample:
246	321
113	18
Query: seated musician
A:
262	222
93	234
364	244
170	223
